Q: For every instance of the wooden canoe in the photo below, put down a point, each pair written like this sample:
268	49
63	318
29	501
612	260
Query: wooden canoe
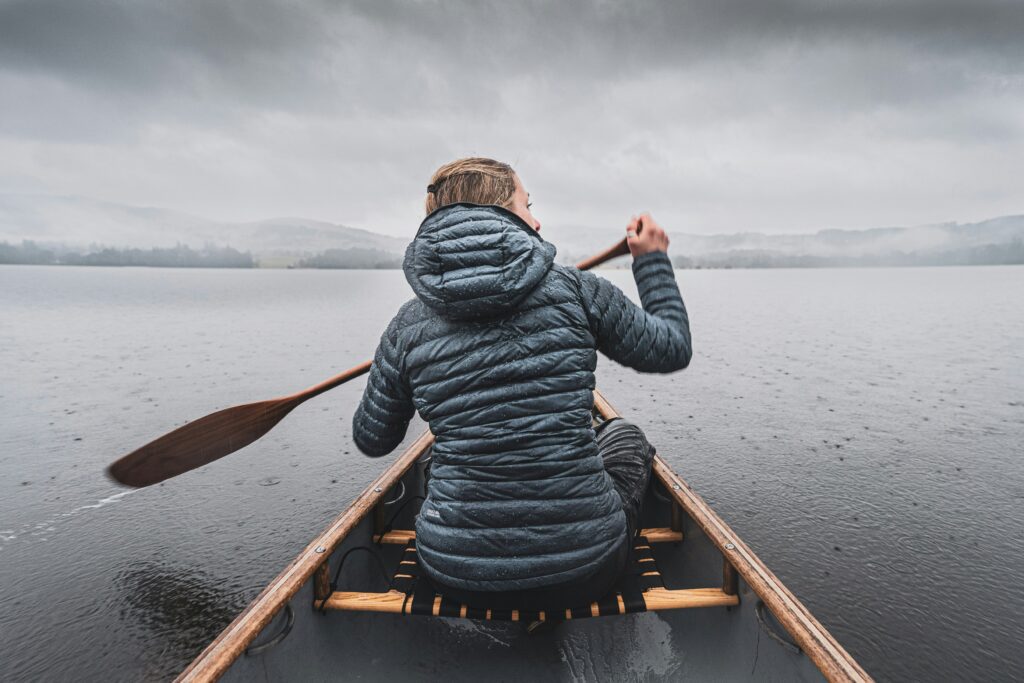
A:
710	609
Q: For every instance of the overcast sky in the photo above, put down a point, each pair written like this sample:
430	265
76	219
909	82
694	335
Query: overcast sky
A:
717	116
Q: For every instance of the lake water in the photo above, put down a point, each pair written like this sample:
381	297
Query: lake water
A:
862	430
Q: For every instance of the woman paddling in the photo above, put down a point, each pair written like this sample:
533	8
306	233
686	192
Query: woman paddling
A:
528	506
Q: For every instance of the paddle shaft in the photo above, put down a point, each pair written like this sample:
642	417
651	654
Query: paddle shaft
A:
330	383
221	433
620	249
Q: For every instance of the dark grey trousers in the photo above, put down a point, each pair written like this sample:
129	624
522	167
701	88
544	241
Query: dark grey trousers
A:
627	458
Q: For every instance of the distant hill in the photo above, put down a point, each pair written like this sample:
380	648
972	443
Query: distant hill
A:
76	222
999	240
82	227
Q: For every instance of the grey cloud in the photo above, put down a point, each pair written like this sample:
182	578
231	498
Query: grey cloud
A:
742	111
248	46
131	44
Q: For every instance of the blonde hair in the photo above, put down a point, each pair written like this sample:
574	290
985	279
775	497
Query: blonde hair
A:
477	180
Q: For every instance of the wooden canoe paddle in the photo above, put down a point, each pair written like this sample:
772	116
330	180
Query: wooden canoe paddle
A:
226	431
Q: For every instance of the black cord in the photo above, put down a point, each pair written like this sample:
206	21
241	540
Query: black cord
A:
388	527
759	610
337	573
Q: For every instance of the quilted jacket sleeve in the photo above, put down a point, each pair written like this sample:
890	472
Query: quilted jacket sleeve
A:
653	339
383	415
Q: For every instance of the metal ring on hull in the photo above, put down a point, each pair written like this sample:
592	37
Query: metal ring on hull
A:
399	496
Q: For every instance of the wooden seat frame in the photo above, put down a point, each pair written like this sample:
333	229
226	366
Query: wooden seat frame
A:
655	598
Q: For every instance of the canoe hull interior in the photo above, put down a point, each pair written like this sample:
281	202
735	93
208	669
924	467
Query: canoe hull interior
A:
710	643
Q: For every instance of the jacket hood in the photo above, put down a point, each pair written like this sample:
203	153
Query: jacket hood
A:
470	261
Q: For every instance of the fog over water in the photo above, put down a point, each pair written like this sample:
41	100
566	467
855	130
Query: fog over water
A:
861	429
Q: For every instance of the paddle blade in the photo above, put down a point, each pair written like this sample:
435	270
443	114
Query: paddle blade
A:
200	442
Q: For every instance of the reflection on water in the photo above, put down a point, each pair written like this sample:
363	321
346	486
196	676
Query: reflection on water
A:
175	609
861	430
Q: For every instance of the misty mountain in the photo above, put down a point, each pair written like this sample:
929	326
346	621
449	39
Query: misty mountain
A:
61	223
999	240
77	222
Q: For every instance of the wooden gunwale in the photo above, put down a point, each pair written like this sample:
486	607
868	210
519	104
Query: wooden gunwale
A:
218	656
834	662
826	653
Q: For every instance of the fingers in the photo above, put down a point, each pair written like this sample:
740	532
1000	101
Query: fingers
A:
632	228
644	235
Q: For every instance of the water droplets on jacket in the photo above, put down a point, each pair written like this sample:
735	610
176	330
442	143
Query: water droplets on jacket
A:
464	264
497	354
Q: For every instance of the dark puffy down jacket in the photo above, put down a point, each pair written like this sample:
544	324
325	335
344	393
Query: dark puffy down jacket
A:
497	353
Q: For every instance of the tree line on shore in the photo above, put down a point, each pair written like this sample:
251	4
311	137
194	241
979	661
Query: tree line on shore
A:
178	256
183	256
1011	253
